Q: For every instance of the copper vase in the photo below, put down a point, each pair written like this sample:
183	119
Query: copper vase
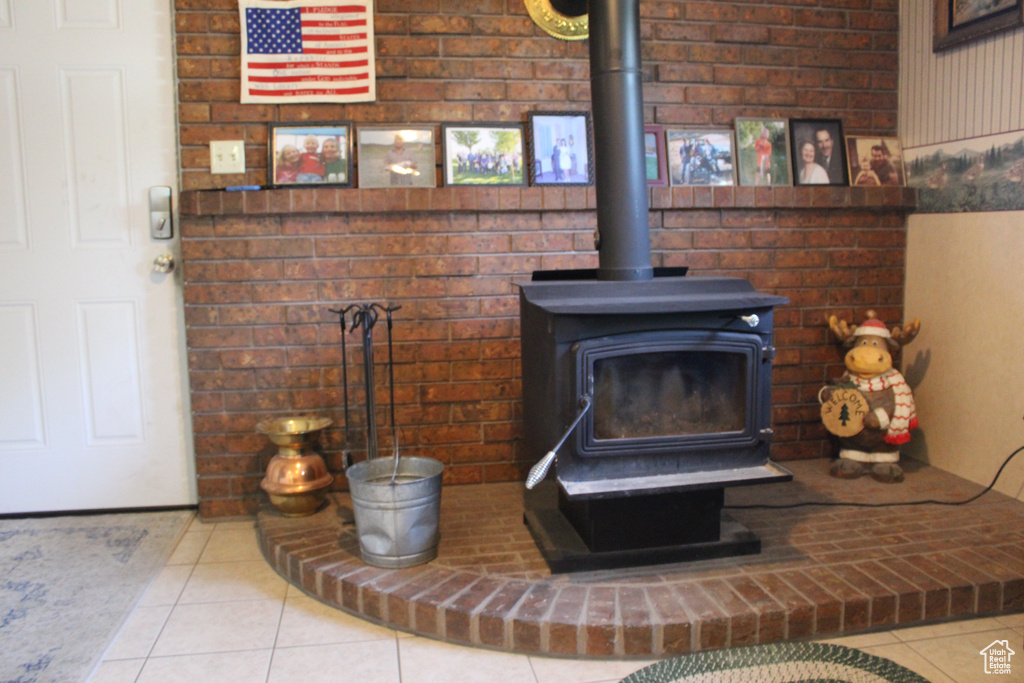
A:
297	478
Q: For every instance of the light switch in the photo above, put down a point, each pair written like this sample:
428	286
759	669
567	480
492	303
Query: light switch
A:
227	156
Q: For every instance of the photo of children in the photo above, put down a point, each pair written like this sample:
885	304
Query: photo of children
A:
310	154
763	146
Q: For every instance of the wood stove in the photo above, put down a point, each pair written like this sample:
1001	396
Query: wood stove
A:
675	374
651	394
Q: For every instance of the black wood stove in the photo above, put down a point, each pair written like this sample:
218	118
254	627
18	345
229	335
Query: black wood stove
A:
650	392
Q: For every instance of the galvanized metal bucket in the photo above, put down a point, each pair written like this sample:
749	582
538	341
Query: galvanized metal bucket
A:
397	523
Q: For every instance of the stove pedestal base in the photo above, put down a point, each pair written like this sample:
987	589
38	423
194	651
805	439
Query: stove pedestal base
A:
627	541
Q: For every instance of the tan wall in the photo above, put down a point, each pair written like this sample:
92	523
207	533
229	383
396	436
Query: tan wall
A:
965	282
964	278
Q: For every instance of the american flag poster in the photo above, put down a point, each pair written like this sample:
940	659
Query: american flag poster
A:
307	51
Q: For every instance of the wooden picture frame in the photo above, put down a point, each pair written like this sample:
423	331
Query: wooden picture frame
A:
297	158
700	156
818	153
396	156
875	161
958	21
483	154
757	164
655	155
561	148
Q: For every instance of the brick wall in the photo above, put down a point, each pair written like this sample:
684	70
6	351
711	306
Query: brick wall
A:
705	63
261	268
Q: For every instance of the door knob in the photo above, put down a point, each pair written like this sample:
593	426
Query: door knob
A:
164	263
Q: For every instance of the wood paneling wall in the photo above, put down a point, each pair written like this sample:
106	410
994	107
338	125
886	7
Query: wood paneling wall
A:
968	91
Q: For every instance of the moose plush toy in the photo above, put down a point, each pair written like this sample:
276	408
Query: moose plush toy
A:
870	408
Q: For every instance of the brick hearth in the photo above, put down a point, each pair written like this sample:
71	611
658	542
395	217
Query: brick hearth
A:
823	571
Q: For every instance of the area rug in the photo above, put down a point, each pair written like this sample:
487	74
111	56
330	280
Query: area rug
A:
68	584
777	663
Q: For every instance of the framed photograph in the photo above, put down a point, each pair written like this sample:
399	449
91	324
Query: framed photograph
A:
483	154
972	175
762	151
654	151
396	156
561	148
875	161
961	21
310	154
818	157
700	156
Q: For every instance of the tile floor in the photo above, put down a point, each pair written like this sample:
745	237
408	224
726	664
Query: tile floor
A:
218	612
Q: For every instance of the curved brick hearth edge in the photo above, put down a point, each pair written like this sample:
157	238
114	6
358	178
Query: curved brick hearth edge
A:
823	572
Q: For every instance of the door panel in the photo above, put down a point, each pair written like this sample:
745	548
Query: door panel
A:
94	413
13	228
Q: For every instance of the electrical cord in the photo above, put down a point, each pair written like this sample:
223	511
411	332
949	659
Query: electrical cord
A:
882	505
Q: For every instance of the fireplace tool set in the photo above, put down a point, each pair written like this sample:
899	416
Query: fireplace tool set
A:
396	501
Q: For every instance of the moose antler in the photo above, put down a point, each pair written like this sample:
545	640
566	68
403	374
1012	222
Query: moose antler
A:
906	335
841	328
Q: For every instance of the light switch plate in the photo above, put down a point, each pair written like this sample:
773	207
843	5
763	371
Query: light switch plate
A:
227	156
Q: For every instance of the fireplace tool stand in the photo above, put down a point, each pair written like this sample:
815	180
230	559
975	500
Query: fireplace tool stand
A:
395	501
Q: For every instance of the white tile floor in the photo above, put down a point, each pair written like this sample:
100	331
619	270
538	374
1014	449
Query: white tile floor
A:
218	612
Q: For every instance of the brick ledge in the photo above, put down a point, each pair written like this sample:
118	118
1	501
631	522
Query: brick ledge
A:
331	200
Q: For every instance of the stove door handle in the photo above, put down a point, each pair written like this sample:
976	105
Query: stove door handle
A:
540	470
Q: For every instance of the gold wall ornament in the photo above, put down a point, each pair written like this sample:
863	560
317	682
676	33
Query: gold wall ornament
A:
557	24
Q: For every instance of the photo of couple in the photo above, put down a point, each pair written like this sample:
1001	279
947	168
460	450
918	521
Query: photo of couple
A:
560	146
818	152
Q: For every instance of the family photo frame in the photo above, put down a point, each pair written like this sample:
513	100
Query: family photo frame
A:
396	156
700	156
875	161
483	154
309	154
762	151
818	153
655	155
962	21
561	148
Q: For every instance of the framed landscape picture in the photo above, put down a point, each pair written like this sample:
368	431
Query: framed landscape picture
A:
310	154
700	156
561	148
818	157
655	155
961	21
483	154
396	156
968	175
762	151
875	161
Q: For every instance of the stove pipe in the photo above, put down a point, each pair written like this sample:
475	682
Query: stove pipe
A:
623	224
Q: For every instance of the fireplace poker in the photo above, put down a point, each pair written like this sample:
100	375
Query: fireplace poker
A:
346	454
366	316
540	470
391	384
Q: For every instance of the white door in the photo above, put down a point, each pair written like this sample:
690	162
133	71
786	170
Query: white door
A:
92	407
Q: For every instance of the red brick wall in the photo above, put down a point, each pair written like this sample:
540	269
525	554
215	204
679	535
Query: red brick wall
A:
261	268
705	63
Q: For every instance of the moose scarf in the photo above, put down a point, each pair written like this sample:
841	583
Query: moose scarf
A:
904	417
